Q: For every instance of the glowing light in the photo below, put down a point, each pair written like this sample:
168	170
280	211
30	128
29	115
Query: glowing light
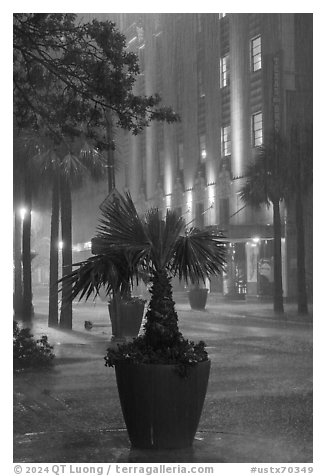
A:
88	245
77	247
168	199
60	245
189	201
22	212
256	239
168	182
211	195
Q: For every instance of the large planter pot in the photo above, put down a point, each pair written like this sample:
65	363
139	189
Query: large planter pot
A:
126	319
198	298
161	408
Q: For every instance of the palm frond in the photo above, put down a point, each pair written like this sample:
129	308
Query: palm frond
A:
267	178
72	167
162	235
198	254
121	227
255	190
93	160
108	271
127	246
47	161
120	221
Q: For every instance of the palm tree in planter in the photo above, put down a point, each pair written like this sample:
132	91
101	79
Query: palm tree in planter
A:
162	377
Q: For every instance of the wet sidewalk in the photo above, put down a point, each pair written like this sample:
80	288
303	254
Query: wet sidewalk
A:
258	406
109	446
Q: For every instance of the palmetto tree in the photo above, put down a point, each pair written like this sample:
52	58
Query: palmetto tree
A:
25	188
65	167
267	184
127	245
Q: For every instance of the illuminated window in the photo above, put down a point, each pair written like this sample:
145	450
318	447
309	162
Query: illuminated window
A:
202	141
255	47
225	71
226	141
221	15
257	129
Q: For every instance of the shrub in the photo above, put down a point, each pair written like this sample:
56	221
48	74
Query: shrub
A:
30	352
183	353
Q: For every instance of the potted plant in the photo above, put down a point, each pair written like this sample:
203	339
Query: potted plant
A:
197	296
126	315
111	282
162	377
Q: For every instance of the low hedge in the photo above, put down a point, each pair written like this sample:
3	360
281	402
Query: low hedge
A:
28	351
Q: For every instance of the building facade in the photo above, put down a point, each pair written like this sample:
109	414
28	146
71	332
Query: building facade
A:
233	78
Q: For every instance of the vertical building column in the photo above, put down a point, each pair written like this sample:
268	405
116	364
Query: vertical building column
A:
240	69
190	99
211	82
168	94
149	76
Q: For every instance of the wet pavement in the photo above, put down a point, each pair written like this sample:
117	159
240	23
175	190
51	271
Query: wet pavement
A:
258	406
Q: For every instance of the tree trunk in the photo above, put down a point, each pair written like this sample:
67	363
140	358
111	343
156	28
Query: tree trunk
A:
18	288
161	328
66	215
301	256
27	259
278	288
54	256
